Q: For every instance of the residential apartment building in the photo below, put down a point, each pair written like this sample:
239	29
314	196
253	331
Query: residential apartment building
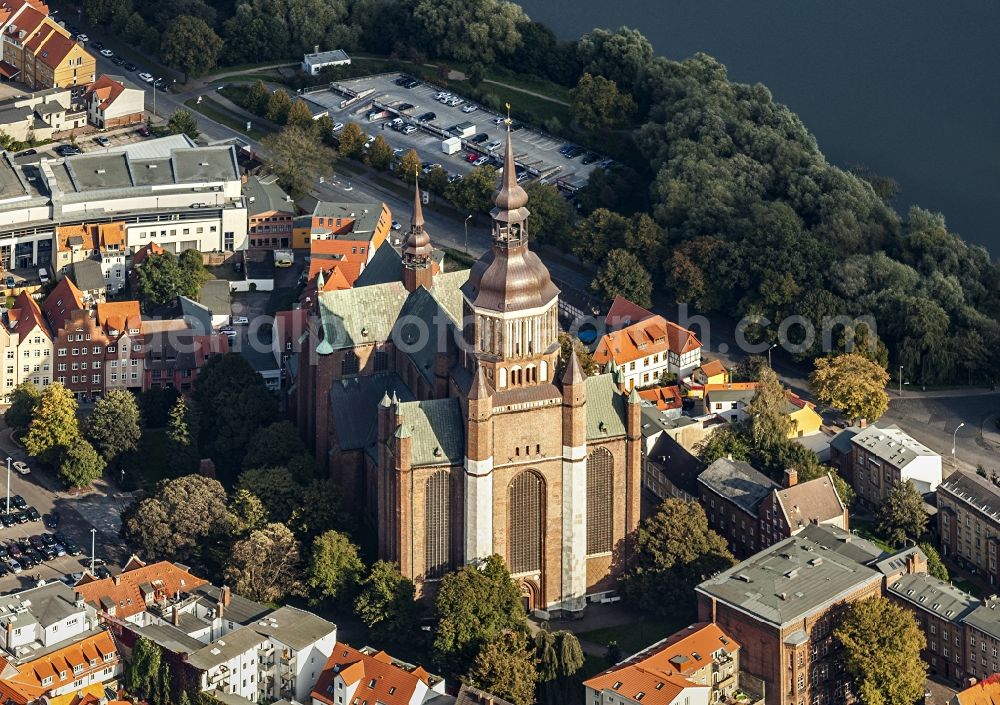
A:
27	345
730	401
164	191
111	104
80	343
103	243
969	521
38	52
270	213
352	675
698	665
173	358
753	512
224	643
38	115
784	601
52	645
367	224
121	322
647	349
874	458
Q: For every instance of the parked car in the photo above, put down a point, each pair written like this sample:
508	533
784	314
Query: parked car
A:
480	161
515	126
102	140
498	120
472	156
48	539
103	572
33	514
480	138
409	129
9	281
14	549
82	38
396	225
118	61
13	566
129	66
97	46
495	144
32	556
4	553
52	521
470	108
20	465
427	117
143	131
106	53
18	501
7	520
27	153
36	541
147	77
405	106
73	548
241	321
589	158
43	277
338	127
59	549
49	552
452	178
21	517
67	150
412	84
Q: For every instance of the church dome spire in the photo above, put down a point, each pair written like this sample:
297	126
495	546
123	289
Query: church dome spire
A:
417	249
510	197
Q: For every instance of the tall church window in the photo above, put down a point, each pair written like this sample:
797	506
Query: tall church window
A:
350	364
600	500
381	360
437	523
525	513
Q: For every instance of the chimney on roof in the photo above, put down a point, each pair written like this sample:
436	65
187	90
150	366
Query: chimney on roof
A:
118	579
176	617
791	477
226	596
315	48
863	423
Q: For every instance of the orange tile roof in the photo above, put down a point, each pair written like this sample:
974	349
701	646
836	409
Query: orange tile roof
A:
623	313
665	398
28	20
143	252
106	89
94	236
119	316
26	685
57	45
27	316
379	678
647	337
985	692
123	589
713	368
661	670
61	302
732	387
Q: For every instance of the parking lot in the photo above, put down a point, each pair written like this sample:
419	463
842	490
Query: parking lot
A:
534	150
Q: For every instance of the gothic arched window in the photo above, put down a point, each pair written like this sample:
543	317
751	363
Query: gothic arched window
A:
600	500
350	364
525	514
437	524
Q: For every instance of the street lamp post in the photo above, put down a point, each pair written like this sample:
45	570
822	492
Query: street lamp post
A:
769	353
153	85
8	484
954	438
900	380
93	538
467	233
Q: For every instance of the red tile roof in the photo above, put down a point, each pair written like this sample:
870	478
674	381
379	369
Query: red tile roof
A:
665	398
123	589
647	337
25	316
379	677
660	671
119	316
985	692
623	313
106	90
61	302
143	252
713	368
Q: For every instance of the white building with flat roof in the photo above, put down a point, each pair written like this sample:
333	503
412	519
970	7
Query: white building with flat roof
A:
313	63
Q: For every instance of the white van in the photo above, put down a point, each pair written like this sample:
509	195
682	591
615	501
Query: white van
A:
43	275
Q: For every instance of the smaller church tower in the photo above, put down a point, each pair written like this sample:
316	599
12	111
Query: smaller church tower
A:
417	250
479	469
574	486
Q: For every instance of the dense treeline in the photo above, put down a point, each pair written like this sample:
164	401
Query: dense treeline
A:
748	217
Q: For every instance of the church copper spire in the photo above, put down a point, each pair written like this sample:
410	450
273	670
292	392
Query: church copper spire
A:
509	213
417	249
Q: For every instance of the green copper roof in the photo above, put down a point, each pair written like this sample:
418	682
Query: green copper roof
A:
605	408
437	429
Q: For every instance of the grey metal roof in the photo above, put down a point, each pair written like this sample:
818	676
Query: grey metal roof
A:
897	561
842	441
365	217
354	406
605	408
263	194
152	172
326	56
978	492
986	617
929	594
198	316
170	638
293	627
843	542
437	429
739	482
47	605
731	395
221	650
214	296
788	581
891	444
654	421
241	610
87	275
385	266
158	148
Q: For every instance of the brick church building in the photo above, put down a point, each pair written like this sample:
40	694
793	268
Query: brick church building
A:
433	399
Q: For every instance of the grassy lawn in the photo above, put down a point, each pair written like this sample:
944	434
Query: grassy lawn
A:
250	78
866	530
237	94
637	635
456	259
153	463
221	115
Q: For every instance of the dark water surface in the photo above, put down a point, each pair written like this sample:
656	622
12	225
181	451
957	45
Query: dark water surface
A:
909	88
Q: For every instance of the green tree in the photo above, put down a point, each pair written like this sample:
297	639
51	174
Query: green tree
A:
352	141
182	435
729	441
53	426
335	568
183	519
505	667
257	98
475	605
113	425
323	127
23	401
161	280
559	657
182	122
552	217
881	646
769	422
476	74
190	45
675	550
623	275
568	343
319	510
385	603
298	158
598	234
279	104
408	167
80	464
436	181
249	513
192	265
379	155
935	566
273	445
852	383
901	514
470	31
265	566
275	487
598	105
474	193
300	116
106	12
621	56
142	671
